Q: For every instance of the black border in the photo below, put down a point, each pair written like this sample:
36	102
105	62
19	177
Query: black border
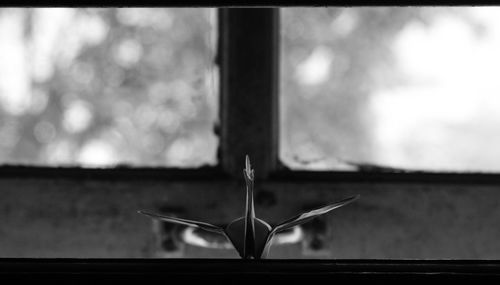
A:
210	270
240	3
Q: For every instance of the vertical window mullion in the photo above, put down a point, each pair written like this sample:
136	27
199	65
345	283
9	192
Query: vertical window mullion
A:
248	59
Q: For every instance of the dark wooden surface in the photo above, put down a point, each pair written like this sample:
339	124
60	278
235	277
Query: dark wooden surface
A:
104	270
209	173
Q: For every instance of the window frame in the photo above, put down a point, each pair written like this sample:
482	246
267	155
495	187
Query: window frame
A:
233	140
249	119
247	126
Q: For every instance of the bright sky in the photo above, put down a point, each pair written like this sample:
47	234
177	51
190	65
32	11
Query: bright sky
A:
453	91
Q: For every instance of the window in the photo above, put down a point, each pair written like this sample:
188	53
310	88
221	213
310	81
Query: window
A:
101	87
75	212
404	87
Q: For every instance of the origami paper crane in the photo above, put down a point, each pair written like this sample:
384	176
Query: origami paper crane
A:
251	236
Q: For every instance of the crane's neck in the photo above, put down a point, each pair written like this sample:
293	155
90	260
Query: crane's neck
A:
249	211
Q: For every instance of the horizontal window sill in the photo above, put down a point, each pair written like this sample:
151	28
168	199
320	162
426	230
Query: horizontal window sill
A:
237	268
216	173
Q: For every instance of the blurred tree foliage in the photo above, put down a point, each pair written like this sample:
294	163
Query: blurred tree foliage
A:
327	117
138	86
127	86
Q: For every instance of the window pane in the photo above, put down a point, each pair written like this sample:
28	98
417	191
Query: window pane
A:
105	87
405	87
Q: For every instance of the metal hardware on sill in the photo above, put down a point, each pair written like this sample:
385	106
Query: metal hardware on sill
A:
193	236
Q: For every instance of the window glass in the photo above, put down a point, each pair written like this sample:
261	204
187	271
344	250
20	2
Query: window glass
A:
404	87
106	87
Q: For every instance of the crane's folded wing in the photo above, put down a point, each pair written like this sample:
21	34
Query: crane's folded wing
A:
196	224
305	217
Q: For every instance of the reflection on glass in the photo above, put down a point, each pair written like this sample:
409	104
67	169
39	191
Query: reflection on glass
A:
105	87
402	87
